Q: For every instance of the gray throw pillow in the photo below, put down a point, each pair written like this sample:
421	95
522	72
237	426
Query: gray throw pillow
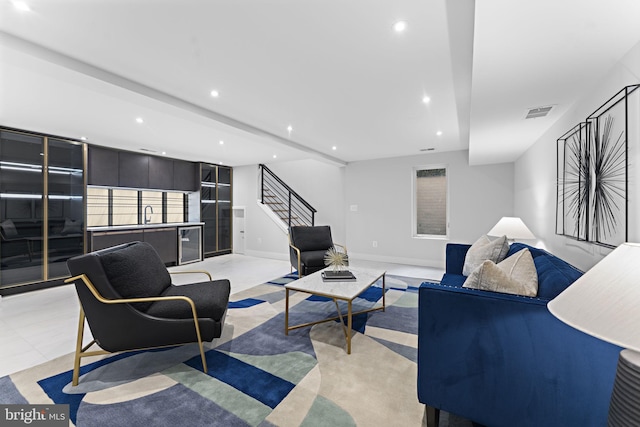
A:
485	249
515	275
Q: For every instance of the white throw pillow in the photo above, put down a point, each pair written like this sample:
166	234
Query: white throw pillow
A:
485	249
515	275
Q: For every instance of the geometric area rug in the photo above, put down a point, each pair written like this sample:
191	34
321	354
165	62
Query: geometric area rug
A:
257	375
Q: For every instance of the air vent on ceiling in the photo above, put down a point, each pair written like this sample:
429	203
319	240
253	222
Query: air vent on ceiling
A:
148	150
536	113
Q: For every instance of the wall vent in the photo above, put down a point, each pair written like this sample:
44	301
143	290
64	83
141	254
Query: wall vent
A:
535	113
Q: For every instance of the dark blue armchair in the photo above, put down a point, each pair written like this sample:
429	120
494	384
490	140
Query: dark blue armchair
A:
504	360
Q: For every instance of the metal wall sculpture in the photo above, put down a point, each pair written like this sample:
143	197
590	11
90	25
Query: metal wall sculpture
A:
593	172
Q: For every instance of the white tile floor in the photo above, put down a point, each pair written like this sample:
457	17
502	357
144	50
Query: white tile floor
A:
39	326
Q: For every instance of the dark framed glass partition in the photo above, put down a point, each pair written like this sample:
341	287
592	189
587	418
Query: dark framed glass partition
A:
41	206
216	208
65	205
21	208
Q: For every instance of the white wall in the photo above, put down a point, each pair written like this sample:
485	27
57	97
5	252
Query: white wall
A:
320	184
535	171
382	191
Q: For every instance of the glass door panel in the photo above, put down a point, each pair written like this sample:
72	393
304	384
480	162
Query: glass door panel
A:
208	216
224	225
21	208
224	208
65	203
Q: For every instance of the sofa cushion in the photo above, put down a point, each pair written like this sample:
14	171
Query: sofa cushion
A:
136	271
514	275
554	274
485	249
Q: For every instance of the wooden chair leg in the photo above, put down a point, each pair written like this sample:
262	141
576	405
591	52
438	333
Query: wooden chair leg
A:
77	356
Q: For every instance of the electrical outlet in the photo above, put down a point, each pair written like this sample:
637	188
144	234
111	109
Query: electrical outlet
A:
375	243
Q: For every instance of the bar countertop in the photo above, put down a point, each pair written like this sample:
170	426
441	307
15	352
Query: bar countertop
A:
143	226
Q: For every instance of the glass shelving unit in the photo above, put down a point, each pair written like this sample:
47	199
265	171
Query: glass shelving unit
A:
216	202
41	207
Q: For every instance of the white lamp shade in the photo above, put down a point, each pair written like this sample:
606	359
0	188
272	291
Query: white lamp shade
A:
512	227
605	301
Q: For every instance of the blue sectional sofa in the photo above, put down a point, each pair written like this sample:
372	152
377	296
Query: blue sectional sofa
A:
505	360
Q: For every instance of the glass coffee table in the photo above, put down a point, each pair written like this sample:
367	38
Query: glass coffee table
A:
337	291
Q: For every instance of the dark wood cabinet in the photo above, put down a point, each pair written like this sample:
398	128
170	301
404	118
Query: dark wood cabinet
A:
165	242
106	239
114	168
103	167
133	170
186	176
160	173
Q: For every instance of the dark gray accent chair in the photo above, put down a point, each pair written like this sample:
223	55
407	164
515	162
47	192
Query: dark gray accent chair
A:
130	303
308	246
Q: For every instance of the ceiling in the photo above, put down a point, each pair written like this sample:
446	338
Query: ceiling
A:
336	71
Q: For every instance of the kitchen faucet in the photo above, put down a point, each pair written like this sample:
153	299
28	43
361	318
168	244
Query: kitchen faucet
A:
147	219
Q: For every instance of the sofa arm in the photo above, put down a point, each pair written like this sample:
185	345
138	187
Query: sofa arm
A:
504	360
455	255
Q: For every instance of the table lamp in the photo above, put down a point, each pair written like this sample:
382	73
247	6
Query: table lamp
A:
605	303
512	227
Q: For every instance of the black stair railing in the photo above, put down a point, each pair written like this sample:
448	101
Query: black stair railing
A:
283	201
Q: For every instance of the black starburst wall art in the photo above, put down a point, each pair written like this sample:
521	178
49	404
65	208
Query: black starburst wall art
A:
594	174
573	179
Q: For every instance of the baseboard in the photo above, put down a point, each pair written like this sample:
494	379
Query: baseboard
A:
355	255
269	255
398	260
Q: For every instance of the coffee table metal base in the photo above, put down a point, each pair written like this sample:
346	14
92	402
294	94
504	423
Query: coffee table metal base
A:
347	330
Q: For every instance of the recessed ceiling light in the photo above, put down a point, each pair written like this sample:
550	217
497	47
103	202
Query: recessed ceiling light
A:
164	153
439	133
334	148
214	93
426	99
21	6
219	163
221	142
274	156
400	26
289	128
84	138
139	120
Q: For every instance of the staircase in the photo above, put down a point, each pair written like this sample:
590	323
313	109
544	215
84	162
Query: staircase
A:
285	203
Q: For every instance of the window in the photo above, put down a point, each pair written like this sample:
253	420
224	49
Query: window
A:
117	206
430	213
